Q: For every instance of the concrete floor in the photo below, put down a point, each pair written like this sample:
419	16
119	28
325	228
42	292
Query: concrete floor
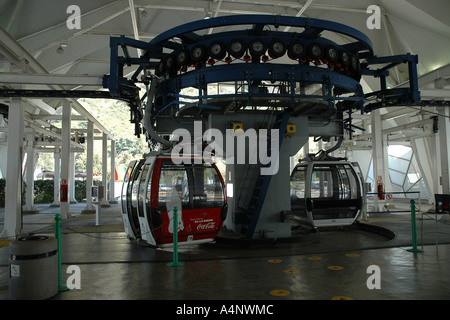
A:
332	265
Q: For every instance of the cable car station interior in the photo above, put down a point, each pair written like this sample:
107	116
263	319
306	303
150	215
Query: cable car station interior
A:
295	150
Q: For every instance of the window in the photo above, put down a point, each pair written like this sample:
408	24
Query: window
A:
298	183
193	185
322	182
404	172
124	187
142	189
335	181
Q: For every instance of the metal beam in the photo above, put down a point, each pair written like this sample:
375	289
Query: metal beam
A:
50	79
435	94
429	77
134	24
21	57
302	10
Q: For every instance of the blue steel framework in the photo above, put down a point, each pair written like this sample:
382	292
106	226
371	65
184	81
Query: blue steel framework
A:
183	57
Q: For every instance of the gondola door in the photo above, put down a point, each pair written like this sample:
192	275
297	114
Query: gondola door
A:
124	200
300	192
132	199
144	201
335	197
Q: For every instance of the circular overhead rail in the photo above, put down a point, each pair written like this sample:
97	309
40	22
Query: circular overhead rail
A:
271	67
266	67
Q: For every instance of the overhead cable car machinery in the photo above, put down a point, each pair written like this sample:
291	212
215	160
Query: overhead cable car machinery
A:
247	78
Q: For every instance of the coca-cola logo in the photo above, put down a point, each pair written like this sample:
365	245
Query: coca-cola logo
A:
206	226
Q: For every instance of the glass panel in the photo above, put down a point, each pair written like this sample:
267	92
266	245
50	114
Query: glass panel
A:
370	176
197	185
400	151
133	189
142	189
398	164
298	179
323	184
149	195
396	177
124	188
349	183
207	187
173	182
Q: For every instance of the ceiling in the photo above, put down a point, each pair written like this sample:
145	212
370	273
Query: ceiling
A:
415	26
41	37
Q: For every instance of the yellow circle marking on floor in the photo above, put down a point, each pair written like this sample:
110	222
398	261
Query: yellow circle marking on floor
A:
352	255
341	298
280	293
335	267
274	260
417	260
314	258
291	271
4	243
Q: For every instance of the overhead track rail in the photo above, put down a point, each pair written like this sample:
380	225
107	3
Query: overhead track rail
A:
270	69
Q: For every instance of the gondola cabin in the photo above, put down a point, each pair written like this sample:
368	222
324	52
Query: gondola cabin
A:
326	193
154	186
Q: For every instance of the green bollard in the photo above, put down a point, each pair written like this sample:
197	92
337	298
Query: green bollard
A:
413	226
61	287
175	262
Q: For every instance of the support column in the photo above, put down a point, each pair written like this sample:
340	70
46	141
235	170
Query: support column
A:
113	173
56	178
104	201
377	153
72	178
444	132
13	209
89	168
436	161
65	160
386	177
3	149
29	205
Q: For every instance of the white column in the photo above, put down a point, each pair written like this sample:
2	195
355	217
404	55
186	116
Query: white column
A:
56	178
436	160
13	209
104	201
65	158
29	204
3	149
72	178
386	177
444	133
113	173
89	167
377	152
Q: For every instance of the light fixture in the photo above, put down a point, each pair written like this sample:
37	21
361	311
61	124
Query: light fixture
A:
61	47
143	12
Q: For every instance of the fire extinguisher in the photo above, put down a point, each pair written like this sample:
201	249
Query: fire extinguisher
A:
64	193
380	188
